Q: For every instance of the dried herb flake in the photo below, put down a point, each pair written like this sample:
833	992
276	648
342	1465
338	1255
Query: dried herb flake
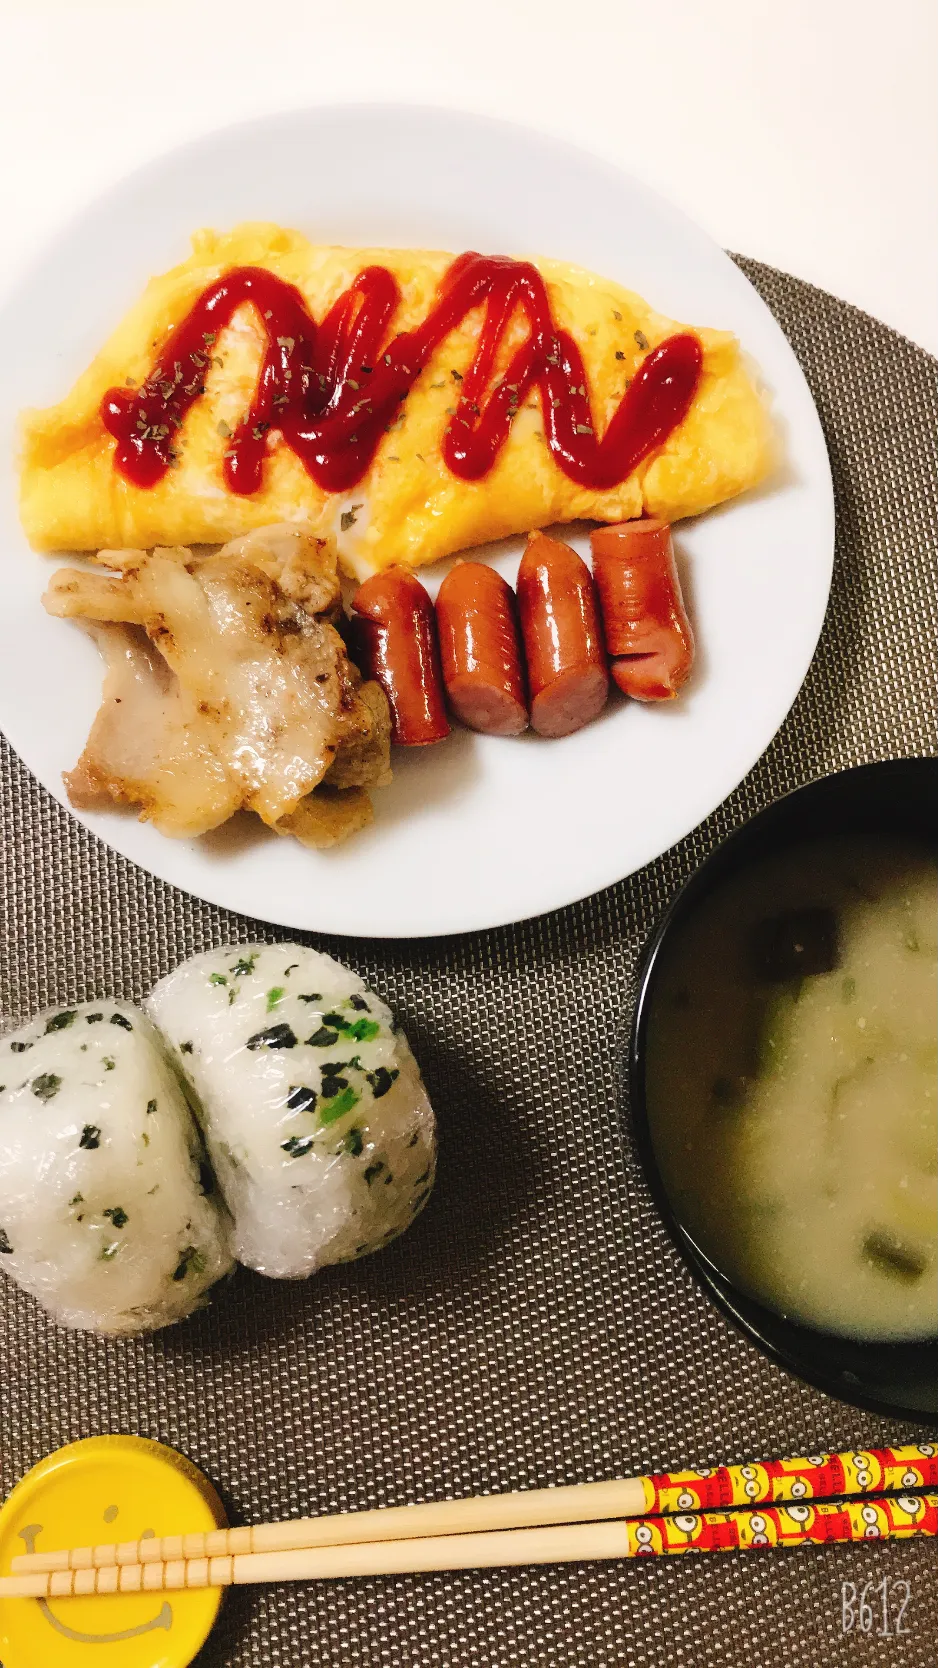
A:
46	1085
60	1022
192	1258
297	1145
338	1107
276	1036
380	1081
323	1038
301	1098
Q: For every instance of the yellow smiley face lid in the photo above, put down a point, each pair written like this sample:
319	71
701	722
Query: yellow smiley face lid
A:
103	1489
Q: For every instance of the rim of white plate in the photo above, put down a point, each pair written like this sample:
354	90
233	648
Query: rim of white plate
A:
416	872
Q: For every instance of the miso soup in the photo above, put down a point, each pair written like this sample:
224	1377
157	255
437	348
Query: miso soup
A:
791	1083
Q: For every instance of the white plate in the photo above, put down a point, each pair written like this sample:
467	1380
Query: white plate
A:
477	831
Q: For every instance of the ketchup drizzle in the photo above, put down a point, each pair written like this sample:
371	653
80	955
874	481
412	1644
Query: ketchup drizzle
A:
333	389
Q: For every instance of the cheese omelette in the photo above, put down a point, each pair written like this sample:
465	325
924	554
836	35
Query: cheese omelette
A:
408	507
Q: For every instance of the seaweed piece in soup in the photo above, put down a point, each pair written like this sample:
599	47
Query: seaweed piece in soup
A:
892	1257
795	944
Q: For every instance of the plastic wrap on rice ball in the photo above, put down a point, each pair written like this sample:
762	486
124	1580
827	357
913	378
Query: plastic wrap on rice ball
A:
108	1214
311	1102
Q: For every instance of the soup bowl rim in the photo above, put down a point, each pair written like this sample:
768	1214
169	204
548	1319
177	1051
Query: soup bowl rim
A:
788	1343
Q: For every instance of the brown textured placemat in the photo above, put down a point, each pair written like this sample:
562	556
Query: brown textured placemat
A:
536	1325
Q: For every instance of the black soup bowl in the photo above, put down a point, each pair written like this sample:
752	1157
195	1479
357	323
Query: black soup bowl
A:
895	797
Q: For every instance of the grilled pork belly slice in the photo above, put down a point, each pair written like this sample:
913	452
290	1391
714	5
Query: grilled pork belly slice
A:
227	686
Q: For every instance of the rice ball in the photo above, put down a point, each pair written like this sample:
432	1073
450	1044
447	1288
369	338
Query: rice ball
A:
107	1210
312	1104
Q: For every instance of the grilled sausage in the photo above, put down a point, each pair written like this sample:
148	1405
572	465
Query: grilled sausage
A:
557	605
395	642
646	630
480	652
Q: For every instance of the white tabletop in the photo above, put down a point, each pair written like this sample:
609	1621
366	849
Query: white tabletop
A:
801	133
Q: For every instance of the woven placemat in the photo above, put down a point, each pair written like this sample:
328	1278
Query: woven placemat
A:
536	1326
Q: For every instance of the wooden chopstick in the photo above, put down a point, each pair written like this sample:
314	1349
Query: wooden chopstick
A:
581	1502
790	1525
822	1476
